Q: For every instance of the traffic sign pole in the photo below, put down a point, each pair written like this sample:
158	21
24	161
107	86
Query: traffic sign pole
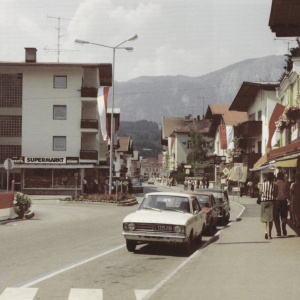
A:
8	165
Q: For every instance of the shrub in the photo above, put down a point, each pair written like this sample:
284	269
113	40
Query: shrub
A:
23	202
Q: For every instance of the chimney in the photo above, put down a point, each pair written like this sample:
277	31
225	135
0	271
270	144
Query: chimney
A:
30	54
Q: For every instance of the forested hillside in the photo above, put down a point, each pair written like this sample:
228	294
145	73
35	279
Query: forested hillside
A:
146	136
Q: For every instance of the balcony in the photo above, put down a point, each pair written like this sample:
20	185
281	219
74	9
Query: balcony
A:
89	92
89	124
249	159
88	155
249	129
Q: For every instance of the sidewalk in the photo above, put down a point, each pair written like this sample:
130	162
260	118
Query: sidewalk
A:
240	263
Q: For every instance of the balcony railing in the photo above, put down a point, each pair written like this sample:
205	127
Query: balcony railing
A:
89	154
89	92
89	124
248	129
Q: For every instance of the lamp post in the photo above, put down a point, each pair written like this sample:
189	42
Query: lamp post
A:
113	96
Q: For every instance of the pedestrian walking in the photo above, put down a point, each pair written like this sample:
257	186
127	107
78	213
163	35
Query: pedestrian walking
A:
96	186
203	182
189	185
84	185
268	195
295	201
185	185
280	205
207	181
250	186
192	185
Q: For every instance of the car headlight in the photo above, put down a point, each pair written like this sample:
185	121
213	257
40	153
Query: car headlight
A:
131	226
179	229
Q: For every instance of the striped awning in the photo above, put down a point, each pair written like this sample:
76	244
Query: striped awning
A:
291	163
233	176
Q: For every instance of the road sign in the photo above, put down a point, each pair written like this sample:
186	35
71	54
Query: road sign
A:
225	171
8	164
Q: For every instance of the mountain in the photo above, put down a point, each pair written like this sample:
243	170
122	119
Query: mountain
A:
151	98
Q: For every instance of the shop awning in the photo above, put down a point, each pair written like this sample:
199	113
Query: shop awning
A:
233	176
264	168
291	163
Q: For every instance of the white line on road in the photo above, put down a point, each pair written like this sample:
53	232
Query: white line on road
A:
18	294
84	294
67	267
139	294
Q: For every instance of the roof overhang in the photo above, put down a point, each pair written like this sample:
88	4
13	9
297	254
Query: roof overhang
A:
247	93
284	18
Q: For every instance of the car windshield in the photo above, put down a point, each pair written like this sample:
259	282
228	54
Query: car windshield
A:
165	202
136	183
218	198
203	200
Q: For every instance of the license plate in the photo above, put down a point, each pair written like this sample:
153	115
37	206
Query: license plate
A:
164	228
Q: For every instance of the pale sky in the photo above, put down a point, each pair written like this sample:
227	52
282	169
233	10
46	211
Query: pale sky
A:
176	37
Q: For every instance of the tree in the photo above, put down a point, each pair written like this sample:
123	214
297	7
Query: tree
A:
197	158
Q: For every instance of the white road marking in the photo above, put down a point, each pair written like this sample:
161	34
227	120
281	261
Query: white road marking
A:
68	267
84	294
18	294
140	294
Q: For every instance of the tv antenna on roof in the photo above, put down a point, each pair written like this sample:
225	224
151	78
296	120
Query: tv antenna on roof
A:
287	41
58	50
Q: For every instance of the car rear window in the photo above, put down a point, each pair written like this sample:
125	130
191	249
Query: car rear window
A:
203	199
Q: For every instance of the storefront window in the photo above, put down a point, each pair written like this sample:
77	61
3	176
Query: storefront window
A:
38	178
65	179
42	178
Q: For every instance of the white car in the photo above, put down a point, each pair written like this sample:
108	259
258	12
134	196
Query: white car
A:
165	218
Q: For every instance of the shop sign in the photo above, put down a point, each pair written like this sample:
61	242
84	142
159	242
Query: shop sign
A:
18	160
72	160
45	160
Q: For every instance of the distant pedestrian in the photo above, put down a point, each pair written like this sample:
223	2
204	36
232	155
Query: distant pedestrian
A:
295	201
250	186
96	186
268	195
185	185
85	186
192	185
189	185
207	181
280	205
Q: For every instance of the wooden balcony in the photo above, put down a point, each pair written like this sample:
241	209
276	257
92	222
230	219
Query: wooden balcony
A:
249	159
89	155
89	92
89	124
249	129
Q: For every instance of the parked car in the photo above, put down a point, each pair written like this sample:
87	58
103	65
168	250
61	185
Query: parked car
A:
137	187
208	204
151	181
174	218
222	202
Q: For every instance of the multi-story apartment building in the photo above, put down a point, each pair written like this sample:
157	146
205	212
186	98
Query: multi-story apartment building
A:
50	124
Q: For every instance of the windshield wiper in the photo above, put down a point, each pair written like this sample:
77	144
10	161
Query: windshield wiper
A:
173	209
153	208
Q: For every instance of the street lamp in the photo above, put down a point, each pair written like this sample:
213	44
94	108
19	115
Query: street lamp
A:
134	37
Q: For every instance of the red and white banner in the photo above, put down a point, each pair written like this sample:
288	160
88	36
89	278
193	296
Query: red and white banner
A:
102	109
171	141
7	205
226	137
277	112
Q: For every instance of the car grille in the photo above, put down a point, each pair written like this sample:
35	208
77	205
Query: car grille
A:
152	227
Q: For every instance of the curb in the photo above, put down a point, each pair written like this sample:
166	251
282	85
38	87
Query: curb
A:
103	203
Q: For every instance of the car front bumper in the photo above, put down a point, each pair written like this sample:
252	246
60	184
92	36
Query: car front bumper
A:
154	237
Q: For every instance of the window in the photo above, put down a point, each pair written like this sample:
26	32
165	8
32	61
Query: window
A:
59	112
259	115
251	117
8	151
188	144
60	82
59	143
10	125
11	90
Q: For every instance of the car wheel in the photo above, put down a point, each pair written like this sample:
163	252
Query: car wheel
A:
228	218
130	245
188	245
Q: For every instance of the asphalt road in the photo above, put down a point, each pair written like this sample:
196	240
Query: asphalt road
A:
76	251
